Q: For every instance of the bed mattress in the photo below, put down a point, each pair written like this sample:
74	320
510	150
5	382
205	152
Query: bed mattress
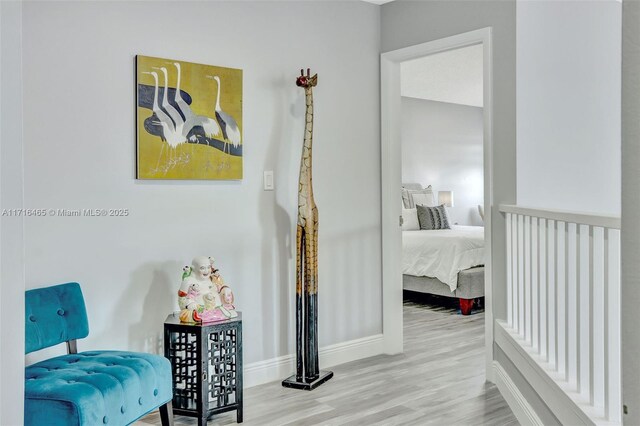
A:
442	253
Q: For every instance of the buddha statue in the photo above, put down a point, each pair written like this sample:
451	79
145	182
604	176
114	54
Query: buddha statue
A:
224	292
200	297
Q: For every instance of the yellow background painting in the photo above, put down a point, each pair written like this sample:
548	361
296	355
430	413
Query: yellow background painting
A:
197	156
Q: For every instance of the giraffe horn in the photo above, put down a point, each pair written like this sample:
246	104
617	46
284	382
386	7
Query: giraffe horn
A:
308	72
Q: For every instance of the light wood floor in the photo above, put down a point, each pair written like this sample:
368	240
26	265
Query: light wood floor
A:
439	380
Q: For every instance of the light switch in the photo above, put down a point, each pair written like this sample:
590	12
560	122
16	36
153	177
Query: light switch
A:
268	180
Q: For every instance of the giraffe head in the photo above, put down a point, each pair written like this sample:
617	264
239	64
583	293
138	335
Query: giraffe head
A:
307	81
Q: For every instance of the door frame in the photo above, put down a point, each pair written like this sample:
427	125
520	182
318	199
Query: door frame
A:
391	162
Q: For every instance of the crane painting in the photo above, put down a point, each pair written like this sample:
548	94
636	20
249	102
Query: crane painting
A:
188	120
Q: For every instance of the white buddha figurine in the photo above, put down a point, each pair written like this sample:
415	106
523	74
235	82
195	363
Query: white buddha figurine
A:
200	298
197	296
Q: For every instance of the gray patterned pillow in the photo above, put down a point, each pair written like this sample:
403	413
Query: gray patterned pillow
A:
432	218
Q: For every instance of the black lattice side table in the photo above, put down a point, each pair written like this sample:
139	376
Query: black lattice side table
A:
206	361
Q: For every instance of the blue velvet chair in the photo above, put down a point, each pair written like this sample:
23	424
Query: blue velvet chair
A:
87	388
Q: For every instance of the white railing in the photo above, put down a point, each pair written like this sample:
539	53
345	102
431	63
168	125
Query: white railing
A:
563	302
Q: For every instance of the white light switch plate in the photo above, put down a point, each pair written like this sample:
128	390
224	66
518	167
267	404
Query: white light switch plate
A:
268	180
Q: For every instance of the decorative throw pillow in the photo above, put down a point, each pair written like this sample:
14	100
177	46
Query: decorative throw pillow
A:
431	218
423	197
410	220
444	219
409	185
406	200
425	218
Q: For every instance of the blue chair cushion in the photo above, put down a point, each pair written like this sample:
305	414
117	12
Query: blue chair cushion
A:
54	315
95	388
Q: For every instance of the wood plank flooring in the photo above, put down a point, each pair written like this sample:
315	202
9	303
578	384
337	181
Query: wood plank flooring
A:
439	380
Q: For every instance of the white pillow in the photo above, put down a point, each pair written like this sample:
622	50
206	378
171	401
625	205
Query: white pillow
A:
406	199
424	197
410	220
412	186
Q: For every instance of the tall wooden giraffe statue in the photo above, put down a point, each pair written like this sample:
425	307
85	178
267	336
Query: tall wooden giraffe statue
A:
308	375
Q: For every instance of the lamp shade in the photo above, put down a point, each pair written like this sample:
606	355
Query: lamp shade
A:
446	198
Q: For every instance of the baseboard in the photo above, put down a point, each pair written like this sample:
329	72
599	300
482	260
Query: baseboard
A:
521	408
564	403
274	369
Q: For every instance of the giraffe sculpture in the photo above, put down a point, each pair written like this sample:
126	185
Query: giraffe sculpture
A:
308	375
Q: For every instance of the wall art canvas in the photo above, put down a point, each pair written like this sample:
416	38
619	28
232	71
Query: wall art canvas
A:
189	120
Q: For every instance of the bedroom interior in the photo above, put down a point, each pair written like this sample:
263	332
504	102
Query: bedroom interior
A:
523	312
442	156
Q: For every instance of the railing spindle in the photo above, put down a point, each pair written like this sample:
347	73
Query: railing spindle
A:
598	320
535	334
510	257
614	403
552	312
572	306
527	279
542	277
514	269
561	299
585	310
521	324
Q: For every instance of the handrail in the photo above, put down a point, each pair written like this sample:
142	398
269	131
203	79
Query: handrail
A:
605	221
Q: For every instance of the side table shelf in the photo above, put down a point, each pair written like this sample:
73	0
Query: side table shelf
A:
206	362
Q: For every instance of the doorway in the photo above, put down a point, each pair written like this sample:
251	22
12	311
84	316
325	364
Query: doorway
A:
392	285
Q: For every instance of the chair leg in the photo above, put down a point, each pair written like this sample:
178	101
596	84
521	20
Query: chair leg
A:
166	414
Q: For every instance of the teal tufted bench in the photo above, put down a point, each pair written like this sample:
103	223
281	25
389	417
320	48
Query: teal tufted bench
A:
88	388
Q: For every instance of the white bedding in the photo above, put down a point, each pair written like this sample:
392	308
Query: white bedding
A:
442	253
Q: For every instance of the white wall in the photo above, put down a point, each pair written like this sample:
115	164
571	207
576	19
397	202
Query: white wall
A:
11	227
442	147
80	153
569	105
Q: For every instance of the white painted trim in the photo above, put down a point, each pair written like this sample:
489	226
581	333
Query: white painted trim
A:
487	41
521	408
603	220
567	405
276	369
12	260
391	181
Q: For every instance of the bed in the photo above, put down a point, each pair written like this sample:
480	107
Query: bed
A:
444	262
